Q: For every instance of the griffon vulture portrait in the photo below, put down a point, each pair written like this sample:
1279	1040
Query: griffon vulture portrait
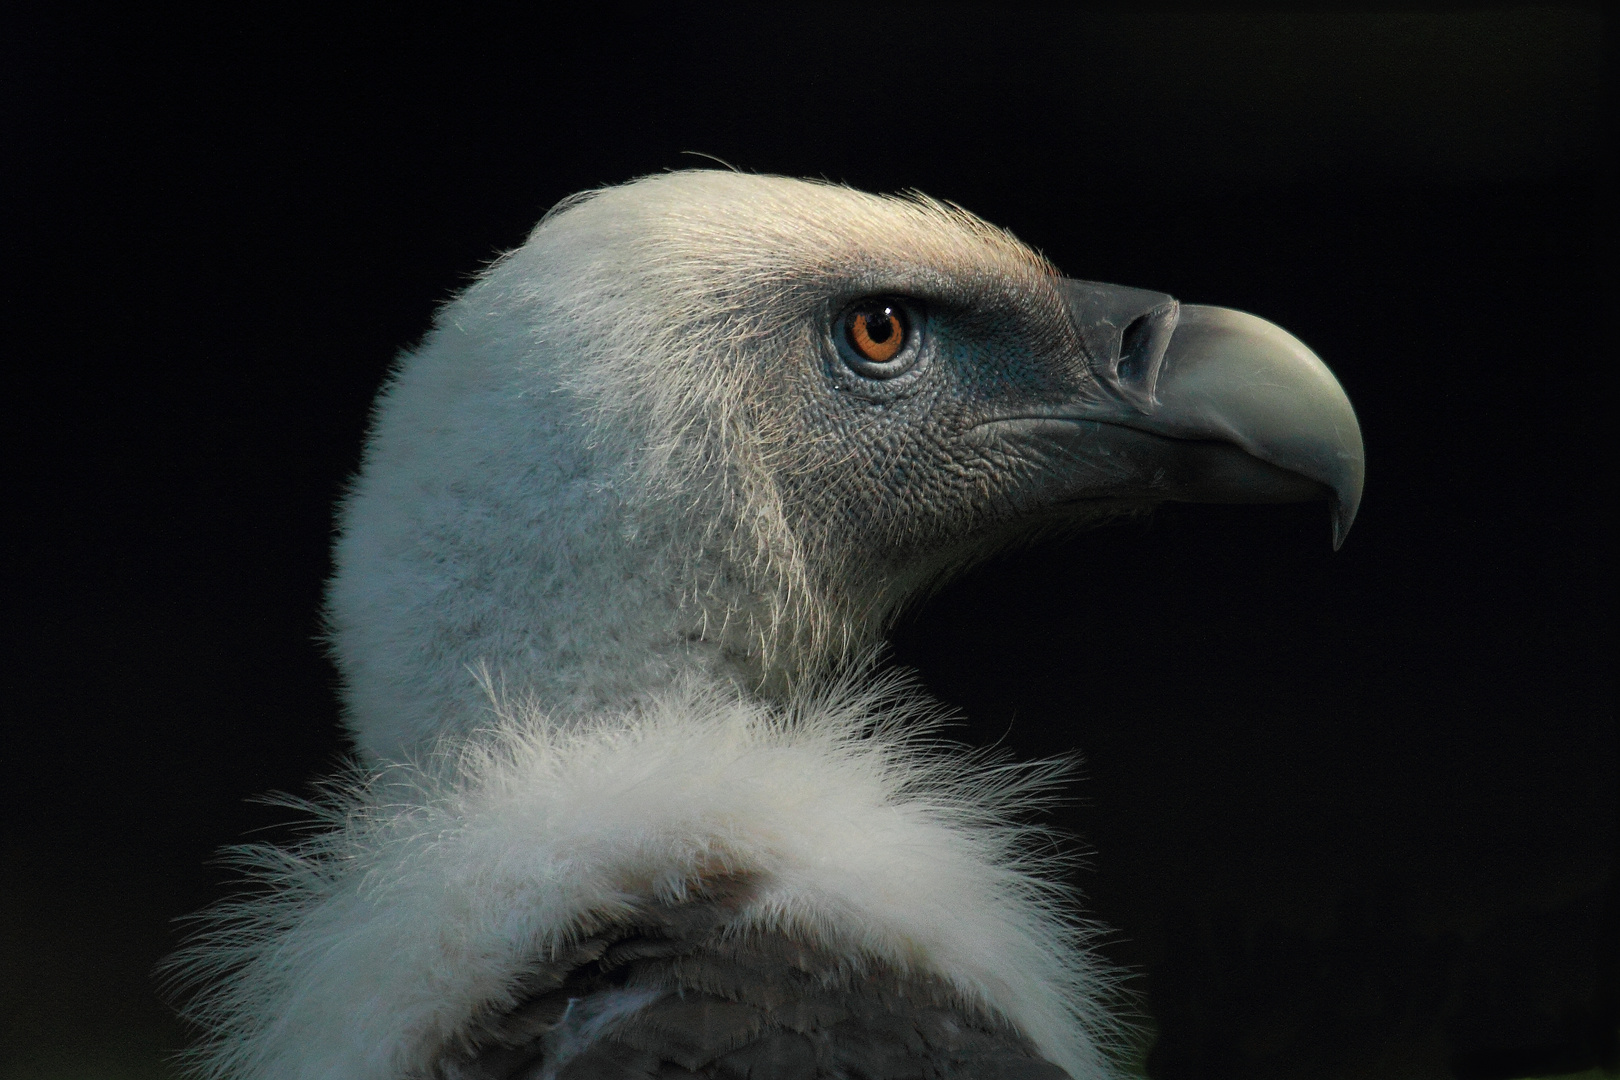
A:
631	522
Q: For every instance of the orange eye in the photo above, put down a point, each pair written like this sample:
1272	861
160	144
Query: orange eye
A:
877	331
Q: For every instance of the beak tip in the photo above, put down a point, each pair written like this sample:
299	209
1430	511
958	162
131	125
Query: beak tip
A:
1341	518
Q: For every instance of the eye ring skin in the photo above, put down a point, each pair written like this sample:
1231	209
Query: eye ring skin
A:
912	324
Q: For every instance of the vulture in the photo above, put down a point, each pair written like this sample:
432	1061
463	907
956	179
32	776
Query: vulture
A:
631	799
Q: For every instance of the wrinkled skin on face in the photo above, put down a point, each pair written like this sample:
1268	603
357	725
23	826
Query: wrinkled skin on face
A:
1003	415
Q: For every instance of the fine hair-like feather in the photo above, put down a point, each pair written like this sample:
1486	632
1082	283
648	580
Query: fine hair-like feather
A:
583	477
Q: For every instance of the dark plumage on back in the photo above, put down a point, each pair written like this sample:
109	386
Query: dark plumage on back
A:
671	993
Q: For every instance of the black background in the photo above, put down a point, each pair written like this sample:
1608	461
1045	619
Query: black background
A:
1350	815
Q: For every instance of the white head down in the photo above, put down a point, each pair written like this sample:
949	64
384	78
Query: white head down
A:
716	425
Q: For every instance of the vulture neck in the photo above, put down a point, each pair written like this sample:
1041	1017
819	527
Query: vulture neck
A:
499	546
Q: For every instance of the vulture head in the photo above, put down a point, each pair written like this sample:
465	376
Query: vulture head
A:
625	516
725	424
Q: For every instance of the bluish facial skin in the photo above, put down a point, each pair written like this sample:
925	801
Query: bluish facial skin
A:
901	473
1006	410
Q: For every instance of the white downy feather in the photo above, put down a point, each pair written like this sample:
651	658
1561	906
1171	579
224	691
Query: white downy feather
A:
436	885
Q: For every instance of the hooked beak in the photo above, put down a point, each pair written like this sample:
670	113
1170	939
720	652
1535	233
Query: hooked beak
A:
1200	404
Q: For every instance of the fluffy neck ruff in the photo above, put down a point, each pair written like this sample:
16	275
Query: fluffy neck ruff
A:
436	891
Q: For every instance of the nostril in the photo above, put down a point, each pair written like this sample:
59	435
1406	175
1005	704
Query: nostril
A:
1134	348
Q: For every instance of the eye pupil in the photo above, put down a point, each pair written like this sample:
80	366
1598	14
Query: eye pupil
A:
876	331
